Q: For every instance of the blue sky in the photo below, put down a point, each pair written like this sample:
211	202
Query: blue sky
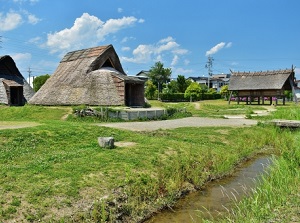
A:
241	35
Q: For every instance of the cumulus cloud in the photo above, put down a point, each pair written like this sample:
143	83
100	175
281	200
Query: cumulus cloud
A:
87	30
10	21
217	48
166	47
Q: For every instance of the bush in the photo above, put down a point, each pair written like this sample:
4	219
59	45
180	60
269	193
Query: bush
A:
179	97
173	97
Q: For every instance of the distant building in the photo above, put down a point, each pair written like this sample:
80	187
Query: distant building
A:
216	81
143	75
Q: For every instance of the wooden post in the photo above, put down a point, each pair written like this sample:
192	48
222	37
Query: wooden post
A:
230	97
270	100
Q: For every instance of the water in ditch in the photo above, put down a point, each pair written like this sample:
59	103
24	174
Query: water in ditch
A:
215	200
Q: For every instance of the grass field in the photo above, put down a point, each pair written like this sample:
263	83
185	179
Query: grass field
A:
56	171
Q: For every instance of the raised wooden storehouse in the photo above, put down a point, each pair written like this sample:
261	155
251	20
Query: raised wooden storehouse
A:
91	76
261	85
14	89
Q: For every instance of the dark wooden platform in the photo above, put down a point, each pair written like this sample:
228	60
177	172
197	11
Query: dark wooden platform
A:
286	123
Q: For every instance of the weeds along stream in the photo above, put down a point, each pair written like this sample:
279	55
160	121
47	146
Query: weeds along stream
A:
217	197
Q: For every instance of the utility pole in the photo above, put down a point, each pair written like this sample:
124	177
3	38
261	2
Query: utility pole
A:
29	75
209	65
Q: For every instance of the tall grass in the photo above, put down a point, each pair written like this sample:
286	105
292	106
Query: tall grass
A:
277	198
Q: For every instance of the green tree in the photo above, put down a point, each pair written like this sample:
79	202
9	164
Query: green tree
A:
39	81
171	87
224	91
193	91
212	91
182	83
159	75
204	88
150	90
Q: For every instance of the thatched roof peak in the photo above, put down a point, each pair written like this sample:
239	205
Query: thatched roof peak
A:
262	73
94	58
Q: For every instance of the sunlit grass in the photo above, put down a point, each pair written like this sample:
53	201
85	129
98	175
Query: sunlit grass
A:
57	170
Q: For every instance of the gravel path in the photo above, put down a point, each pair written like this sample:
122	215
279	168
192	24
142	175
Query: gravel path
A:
184	122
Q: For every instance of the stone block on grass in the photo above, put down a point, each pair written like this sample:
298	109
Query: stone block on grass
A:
106	142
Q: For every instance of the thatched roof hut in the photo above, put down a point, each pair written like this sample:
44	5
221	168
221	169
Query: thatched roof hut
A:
91	76
14	89
262	84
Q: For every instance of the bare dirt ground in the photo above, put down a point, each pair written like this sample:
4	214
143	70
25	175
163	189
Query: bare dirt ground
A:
184	122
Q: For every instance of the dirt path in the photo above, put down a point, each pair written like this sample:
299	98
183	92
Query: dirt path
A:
17	125
184	122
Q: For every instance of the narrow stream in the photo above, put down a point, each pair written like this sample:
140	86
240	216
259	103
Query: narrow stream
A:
215	199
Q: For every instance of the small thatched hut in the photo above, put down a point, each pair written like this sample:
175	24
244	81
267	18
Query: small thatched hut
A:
91	76
14	89
261	85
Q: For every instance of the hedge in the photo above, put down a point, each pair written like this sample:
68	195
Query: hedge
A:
177	97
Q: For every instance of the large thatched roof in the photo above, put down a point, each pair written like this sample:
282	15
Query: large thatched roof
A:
10	77
84	77
263	80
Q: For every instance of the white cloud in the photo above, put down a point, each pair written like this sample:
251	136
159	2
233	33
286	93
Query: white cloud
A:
175	60
141	54
32	19
217	48
126	39
10	21
166	40
120	10
22	61
167	47
114	25
35	40
125	48
163	48
87	31
228	45
21	56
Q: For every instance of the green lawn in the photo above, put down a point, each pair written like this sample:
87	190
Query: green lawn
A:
56	171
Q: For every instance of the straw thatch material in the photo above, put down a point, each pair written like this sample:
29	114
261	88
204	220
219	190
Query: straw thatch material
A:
264	80
14	89
92	76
